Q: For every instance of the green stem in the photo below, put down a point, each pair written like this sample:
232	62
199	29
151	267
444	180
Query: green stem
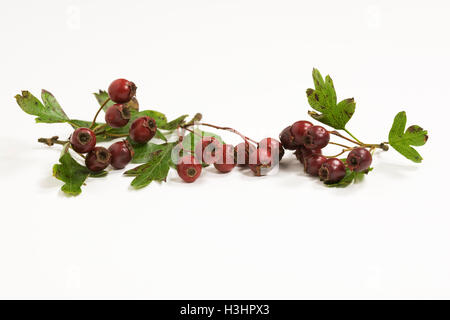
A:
351	135
96	115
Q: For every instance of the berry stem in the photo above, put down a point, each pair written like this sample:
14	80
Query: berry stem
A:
344	137
340	153
98	112
229	129
351	135
340	145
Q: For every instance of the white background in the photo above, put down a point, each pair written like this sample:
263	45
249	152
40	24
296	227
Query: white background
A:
245	64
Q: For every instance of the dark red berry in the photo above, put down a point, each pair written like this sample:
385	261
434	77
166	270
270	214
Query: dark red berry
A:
189	169
287	139
225	160
316	137
263	163
143	129
298	131
83	140
121	90
242	153
117	115
205	150
98	159
273	146
302	153
359	159
313	164
332	171
121	154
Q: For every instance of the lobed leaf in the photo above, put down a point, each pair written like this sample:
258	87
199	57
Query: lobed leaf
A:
49	112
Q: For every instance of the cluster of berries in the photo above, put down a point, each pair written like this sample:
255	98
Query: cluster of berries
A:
119	154
225	157
308	141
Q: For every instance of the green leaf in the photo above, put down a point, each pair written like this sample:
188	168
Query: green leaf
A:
101	97
72	174
156	169
143	152
402	140
172	125
49	112
350	177
323	99
191	139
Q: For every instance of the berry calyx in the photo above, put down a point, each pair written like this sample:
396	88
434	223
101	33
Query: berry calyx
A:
298	131
332	171
121	90
98	159
83	140
301	153
189	169
225	161
316	137
263	163
205	150
273	147
118	115
121	154
242	153
287	139
359	159
313	164
143	129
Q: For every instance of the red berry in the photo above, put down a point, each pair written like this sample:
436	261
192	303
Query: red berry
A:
263	163
225	163
273	147
332	171
121	90
117	115
359	159
316	137
189	169
287	139
121	154
298	131
205	150
143	129
83	140
313	164
242	153
98	159
302	153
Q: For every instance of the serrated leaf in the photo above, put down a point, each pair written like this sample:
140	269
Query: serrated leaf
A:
156	169
143	152
323	99
350	177
160	135
72	174
51	112
172	125
402	140
101	97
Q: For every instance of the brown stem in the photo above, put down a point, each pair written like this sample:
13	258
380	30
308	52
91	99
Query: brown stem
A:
340	153
98	111
340	145
51	141
228	129
344	137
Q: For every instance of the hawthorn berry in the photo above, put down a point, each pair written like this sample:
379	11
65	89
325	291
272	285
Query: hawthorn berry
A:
121	90
98	159
332	171
287	139
121	154
205	150
143	129
316	137
83	140
302	153
313	164
225	162
189	169
359	159
298	131
273	147
242	153
118	115
263	163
